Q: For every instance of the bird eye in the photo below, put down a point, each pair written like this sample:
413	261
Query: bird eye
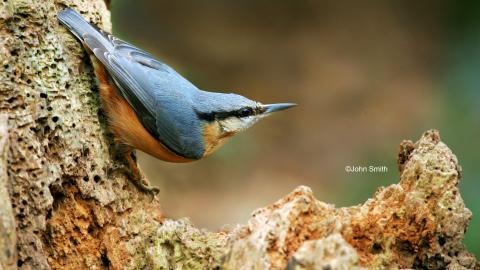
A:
245	112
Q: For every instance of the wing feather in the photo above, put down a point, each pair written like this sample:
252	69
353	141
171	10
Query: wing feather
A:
158	95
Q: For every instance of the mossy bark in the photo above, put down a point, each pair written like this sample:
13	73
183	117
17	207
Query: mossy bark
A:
67	209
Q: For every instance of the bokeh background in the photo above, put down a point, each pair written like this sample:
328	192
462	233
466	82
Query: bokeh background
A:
367	74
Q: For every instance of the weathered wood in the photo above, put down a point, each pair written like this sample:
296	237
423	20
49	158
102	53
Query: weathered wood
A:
8	236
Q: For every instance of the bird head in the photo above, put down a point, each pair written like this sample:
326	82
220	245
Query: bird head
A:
225	115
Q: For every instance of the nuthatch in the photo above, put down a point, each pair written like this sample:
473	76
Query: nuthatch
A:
152	108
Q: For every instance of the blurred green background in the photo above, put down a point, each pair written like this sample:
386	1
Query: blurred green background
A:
367	74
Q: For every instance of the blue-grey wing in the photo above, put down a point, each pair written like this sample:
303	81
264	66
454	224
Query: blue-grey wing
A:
158	94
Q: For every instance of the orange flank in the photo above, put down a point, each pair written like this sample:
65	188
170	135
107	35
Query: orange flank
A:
125	124
213	138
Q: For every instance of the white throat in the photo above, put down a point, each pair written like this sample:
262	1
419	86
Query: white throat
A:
237	124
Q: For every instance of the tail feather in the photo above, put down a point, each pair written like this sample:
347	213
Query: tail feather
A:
84	31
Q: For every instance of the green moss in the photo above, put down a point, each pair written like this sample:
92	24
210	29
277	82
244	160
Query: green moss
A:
174	245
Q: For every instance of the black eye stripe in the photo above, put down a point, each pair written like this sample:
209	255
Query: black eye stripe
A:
209	117
244	112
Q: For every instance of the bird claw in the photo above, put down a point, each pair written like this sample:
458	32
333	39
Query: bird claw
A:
151	190
136	179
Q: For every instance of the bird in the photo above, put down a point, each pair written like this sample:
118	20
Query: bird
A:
151	107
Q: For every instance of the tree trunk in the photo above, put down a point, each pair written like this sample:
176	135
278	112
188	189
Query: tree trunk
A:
63	205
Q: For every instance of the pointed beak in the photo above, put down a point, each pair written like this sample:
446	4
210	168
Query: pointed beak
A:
269	108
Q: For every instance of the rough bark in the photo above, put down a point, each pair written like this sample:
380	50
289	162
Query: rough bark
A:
8	235
68	210
70	213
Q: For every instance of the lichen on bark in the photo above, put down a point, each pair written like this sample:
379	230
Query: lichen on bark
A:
72	211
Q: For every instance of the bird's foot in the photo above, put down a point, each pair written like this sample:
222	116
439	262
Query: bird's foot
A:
136	178
143	186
